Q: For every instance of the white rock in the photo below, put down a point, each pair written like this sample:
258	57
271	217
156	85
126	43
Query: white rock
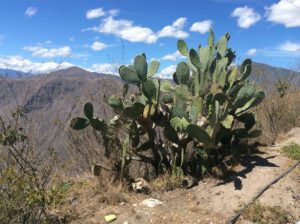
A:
151	202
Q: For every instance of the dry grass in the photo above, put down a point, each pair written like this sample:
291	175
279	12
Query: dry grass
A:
258	213
165	182
278	114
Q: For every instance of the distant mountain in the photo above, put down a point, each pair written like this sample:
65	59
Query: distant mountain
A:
12	73
50	101
268	75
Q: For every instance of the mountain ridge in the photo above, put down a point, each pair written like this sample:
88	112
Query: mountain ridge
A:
278	72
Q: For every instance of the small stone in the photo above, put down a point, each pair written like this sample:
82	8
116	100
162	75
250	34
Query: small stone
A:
151	202
140	186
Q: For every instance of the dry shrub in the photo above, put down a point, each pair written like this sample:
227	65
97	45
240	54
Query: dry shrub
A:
89	194
278	114
27	188
165	182
110	189
266	214
112	193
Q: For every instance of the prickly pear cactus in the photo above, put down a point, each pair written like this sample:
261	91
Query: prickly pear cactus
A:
201	107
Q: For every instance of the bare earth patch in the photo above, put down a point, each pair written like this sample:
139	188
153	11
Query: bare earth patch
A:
212	201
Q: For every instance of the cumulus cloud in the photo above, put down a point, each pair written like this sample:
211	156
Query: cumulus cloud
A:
95	13
125	29
98	46
286	12
21	64
290	46
38	51
31	11
246	16
174	30
172	57
251	52
99	12
106	68
168	72
202	26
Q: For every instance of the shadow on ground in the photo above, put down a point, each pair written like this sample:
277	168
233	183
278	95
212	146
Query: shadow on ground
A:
248	162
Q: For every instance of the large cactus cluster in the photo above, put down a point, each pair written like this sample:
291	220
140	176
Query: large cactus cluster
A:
198	113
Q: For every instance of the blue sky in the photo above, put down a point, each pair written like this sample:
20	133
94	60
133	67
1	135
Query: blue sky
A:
99	35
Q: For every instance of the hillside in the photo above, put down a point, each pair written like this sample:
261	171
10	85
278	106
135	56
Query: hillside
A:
267	75
49	101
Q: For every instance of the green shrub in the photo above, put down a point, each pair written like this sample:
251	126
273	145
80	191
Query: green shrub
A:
27	192
292	151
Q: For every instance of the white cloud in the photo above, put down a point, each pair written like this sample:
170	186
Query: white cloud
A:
95	13
98	46
21	64
286	49
286	12
251	52
106	68
290	46
201	27
31	11
246	16
168	72
174	30
172	57
125	30
38	51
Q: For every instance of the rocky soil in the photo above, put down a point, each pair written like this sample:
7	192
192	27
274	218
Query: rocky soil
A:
212	201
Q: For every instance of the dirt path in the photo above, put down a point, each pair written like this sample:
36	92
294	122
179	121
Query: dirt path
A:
212	201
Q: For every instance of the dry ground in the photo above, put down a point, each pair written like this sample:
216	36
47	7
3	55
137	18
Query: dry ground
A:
212	201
